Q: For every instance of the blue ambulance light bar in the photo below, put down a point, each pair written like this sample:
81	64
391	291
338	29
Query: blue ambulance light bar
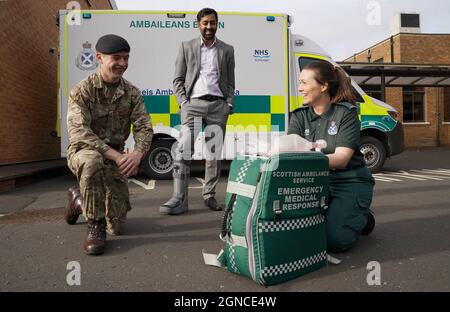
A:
87	15
270	18
176	15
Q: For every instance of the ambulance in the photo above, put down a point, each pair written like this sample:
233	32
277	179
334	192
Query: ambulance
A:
268	60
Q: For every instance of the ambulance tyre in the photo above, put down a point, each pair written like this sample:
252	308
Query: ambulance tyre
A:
374	153
158	162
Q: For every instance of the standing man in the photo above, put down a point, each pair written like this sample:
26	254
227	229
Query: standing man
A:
101	109
204	87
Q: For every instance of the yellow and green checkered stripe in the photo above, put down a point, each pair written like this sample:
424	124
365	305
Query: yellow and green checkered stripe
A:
163	109
262	111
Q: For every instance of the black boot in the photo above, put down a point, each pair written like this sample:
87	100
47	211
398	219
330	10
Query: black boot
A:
370	225
212	204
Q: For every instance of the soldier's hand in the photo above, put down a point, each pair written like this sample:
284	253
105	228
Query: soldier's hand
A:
129	163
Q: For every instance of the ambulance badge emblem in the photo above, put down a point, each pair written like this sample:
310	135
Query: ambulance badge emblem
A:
86	58
332	130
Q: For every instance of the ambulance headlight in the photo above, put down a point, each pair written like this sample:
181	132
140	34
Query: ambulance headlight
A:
394	115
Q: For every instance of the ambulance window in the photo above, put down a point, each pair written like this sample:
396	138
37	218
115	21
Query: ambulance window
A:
358	97
373	91
303	61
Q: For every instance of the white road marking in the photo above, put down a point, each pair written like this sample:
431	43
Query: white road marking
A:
434	174
407	176
149	186
418	175
384	177
421	176
438	172
202	182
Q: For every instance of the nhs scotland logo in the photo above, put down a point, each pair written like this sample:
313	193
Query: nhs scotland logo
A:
261	55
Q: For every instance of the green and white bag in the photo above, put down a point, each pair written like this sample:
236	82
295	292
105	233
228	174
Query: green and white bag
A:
274	226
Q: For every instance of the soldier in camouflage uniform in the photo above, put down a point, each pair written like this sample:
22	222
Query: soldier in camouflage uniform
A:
100	112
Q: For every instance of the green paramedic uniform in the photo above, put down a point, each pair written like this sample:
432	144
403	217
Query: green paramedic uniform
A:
351	189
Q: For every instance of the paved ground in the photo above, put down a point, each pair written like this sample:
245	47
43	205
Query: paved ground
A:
163	253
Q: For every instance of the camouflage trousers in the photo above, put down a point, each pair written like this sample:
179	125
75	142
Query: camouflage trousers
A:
103	187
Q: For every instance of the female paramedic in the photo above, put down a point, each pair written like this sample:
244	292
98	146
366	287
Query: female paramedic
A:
330	114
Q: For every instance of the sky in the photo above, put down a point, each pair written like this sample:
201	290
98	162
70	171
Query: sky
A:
340	27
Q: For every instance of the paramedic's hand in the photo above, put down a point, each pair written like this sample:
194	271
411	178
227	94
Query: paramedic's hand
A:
129	163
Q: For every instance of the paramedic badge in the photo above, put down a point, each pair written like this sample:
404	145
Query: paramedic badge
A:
333	129
86	58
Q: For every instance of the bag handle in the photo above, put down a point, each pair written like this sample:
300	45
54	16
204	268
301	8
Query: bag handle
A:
225	228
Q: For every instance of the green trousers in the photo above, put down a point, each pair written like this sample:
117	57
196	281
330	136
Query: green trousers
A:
103	187
351	194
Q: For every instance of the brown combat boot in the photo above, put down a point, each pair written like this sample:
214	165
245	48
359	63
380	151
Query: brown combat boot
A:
95	237
73	208
115	226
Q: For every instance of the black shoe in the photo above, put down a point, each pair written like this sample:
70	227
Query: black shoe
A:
370	225
212	204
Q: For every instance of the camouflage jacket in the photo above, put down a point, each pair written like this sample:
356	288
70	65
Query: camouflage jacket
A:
94	122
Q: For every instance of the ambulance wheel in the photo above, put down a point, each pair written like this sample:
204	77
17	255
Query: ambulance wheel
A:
374	153
370	224
158	162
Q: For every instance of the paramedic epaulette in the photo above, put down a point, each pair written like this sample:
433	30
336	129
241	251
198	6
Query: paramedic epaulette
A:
300	108
346	105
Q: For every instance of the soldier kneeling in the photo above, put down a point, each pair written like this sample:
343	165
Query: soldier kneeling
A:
101	109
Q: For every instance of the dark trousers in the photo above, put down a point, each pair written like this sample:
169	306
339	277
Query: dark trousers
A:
351	194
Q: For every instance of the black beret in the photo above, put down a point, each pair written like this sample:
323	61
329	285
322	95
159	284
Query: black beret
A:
109	44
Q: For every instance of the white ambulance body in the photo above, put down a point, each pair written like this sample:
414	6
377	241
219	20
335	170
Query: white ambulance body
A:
268	61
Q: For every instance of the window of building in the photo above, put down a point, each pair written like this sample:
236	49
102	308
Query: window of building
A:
413	104
303	61
447	104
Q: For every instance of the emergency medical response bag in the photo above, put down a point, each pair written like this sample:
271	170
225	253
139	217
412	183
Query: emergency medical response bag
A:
274	224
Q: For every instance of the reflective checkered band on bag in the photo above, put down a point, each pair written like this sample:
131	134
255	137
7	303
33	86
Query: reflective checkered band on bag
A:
230	218
240	178
290	224
293	266
232	260
243	170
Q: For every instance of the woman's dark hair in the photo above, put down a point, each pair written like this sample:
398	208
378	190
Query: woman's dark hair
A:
339	85
206	11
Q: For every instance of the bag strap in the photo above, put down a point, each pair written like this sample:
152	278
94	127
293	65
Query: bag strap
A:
225	231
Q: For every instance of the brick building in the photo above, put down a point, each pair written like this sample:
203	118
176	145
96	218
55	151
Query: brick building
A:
28	79
425	111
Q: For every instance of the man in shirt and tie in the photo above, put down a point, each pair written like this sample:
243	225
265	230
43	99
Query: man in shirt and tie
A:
204	87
